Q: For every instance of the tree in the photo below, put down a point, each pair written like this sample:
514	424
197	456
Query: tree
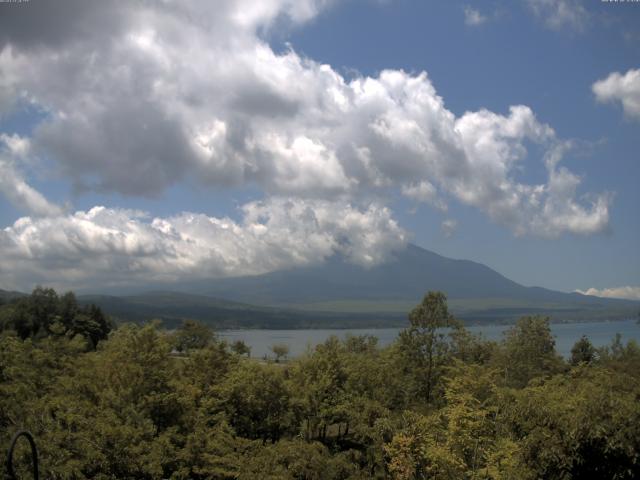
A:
365	344
582	425
67	309
43	308
257	401
319	379
280	350
241	348
91	323
424	342
583	351
529	351
32	316
620	357
43	313
295	459
192	335
459	440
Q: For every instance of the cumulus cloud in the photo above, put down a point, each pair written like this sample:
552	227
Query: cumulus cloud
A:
123	246
142	95
473	17
424	192
13	148
621	88
494	145
628	293
561	14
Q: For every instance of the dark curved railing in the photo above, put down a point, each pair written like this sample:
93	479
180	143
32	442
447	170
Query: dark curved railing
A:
34	454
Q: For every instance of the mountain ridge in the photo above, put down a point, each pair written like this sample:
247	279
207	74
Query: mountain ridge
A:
339	294
413	271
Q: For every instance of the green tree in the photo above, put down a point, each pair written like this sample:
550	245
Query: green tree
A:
210	449
425	344
528	352
33	316
192	335
257	402
460	440
295	459
43	313
620	357
91	323
241	348
319	379
583	351
67	310
43	309
280	350
582	425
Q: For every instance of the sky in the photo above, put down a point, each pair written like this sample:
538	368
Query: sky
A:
165	141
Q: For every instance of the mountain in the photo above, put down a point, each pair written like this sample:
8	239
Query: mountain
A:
339	294
7	295
173	307
408	275
475	291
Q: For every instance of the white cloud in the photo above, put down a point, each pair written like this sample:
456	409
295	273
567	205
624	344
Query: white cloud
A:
424	192
103	246
494	145
561	14
628	293
142	95
448	227
14	148
621	88
473	17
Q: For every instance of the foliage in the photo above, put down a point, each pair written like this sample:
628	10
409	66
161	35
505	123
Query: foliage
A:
582	425
257	402
280	350
528	352
44	313
438	403
191	335
241	348
583	351
425	345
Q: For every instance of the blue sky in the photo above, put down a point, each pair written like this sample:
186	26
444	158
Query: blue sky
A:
512	58
277	147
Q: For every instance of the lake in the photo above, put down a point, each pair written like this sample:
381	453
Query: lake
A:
566	334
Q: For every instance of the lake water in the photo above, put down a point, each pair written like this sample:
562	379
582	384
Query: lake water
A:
260	341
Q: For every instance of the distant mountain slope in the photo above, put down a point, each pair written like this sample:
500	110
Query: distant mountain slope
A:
339	294
173	307
6	295
408	276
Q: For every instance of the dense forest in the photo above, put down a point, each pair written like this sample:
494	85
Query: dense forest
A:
139	402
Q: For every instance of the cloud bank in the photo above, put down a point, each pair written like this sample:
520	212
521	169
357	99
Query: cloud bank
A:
140	96
628	293
123	247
